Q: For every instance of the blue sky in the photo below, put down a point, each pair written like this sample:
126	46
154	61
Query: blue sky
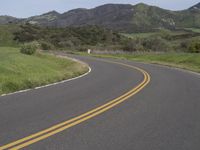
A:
26	8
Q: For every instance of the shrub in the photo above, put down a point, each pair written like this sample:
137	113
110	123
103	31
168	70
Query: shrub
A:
184	44
156	43
194	46
153	43
83	48
28	48
46	46
133	45
27	33
165	34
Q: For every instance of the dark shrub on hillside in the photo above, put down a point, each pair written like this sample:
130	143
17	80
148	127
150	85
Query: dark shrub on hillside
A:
133	45
166	34
69	37
28	33
184	44
156	43
28	48
83	48
153	43
194	46
46	45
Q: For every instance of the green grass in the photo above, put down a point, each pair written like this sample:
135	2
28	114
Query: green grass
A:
180	60
19	71
159	32
6	35
196	30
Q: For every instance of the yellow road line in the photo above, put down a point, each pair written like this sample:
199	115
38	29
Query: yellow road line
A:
74	121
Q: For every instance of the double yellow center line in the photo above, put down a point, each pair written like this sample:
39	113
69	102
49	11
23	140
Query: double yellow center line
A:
24	142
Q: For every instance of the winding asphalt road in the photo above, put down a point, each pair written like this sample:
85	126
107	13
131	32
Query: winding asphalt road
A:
163	114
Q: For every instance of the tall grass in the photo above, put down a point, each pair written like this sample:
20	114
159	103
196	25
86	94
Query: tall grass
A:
19	71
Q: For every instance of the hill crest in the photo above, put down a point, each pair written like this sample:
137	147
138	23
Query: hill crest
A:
120	17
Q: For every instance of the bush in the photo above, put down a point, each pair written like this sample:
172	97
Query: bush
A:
82	48
28	48
156	44
152	43
69	37
133	45
27	33
184	44
46	46
165	34
194	46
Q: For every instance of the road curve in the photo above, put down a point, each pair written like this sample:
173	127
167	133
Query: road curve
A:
163	115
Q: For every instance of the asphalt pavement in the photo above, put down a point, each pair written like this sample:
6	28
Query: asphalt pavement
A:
164	114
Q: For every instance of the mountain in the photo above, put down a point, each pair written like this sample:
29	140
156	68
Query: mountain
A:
120	17
112	16
195	7
46	19
7	19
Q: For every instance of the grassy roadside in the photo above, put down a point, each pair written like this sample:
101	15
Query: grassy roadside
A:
19	71
187	61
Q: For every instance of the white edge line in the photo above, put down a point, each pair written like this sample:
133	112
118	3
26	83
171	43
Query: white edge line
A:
56	83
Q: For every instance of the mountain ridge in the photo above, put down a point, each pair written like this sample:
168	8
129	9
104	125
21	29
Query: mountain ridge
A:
197	6
121	17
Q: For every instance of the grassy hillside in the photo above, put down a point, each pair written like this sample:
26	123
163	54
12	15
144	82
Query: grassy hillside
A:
179	40
70	37
59	38
160	32
19	71
6	35
179	60
97	38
